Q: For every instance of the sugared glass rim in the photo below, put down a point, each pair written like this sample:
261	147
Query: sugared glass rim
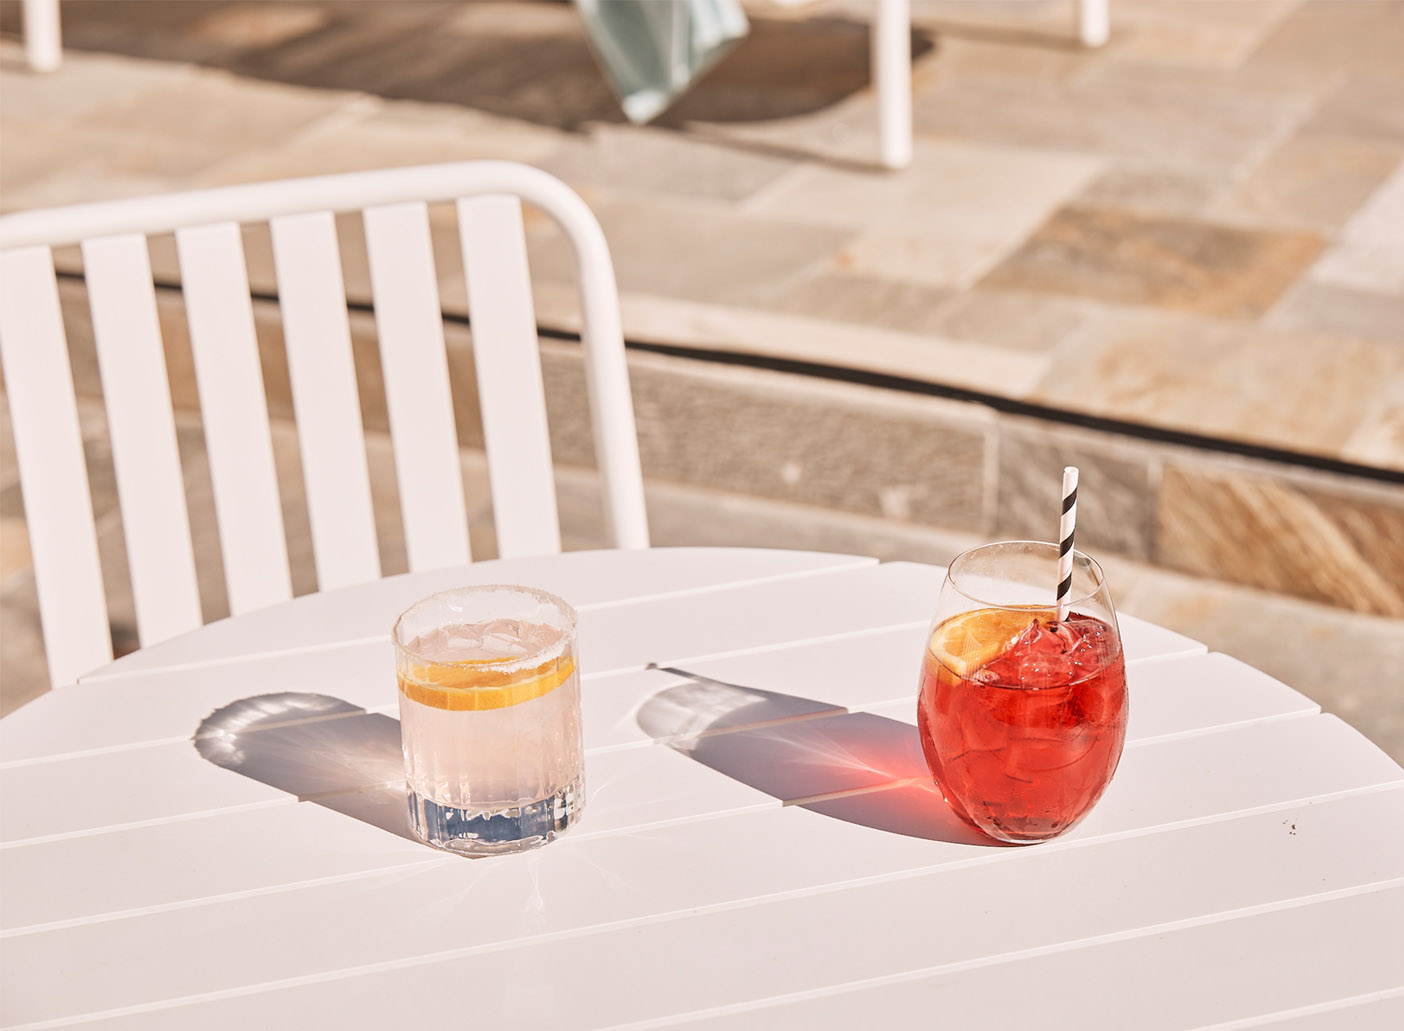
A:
1093	566
570	619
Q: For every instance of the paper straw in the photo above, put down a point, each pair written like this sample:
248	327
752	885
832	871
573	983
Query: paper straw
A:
1066	525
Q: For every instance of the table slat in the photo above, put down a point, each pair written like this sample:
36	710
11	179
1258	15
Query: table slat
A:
1378	1013
583	578
1175	979
1008	904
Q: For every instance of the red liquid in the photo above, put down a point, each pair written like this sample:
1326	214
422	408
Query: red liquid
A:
1024	745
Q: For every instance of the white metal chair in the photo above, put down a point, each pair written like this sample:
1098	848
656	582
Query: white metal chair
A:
299	213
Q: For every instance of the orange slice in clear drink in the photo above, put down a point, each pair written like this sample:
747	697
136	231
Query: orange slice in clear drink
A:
967	641
475	685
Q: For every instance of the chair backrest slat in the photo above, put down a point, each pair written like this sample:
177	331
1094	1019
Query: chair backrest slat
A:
508	363
49	451
312	297
235	415
141	426
417	394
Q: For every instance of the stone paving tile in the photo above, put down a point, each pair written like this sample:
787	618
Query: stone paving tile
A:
157	141
59	146
1337	35
1380	439
944	222
1283	390
842	135
952	189
937	261
1152	193
82	84
1311	182
340	51
1195	34
974	54
259	25
1347	662
1370	252
211	108
1313	307
35	153
1116	487
637	161
1012	319
24	672
1262	15
697	252
388	134
1338	542
14	547
869	300
1361	107
14	539
1163	263
1198	128
142	29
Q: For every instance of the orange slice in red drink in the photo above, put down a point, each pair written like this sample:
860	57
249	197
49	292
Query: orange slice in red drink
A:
967	641
476	685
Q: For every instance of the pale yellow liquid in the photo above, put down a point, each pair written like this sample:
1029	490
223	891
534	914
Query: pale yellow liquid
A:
488	737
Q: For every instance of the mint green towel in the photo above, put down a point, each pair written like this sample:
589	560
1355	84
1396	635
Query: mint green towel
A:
653	50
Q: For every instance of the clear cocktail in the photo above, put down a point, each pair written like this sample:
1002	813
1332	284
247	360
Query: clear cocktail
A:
490	718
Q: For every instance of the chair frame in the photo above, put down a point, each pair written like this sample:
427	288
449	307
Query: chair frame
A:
206	223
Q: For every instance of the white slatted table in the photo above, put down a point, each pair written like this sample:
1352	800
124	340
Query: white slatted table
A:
1245	869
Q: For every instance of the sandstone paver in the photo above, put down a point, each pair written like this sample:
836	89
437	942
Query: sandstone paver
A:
1159	263
1343	545
1330	310
698	252
1370	252
1220	378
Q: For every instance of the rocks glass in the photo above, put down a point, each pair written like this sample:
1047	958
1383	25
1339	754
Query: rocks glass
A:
490	718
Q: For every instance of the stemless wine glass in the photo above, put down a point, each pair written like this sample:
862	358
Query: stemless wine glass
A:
1022	715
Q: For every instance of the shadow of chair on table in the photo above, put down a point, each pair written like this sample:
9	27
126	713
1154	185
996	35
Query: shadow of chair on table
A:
857	767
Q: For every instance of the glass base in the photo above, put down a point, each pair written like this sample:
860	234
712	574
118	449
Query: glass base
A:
491	832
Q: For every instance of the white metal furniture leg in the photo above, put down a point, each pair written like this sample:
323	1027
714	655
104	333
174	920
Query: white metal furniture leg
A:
1093	22
892	80
41	34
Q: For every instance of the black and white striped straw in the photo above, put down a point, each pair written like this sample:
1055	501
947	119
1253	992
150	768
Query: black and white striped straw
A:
1066	525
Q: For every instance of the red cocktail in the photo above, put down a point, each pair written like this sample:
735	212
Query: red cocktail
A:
1022	716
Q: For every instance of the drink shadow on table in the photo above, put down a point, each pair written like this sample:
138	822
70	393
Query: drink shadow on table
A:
321	749
853	766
